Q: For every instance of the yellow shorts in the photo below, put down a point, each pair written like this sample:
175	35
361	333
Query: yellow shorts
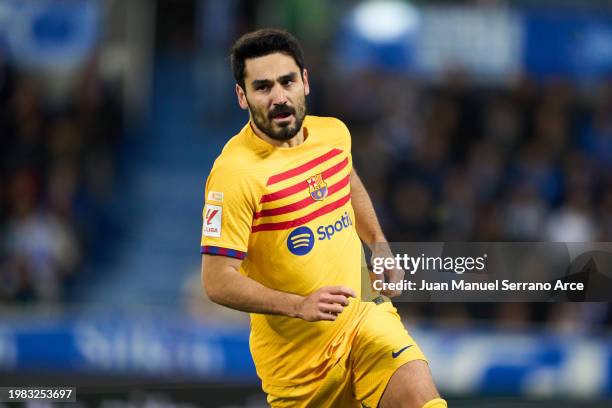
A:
360	377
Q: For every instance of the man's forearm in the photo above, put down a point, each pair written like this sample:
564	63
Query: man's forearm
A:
370	232
232	289
368	227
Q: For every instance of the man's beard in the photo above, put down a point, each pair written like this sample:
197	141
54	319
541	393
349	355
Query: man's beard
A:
265	123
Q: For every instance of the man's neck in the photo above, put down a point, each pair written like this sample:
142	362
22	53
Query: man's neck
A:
296	140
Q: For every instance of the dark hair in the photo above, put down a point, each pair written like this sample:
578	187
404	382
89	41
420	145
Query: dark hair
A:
260	43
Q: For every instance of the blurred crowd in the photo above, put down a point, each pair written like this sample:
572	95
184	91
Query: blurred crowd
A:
460	161
57	158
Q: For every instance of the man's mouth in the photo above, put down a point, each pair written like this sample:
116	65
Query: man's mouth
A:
280	116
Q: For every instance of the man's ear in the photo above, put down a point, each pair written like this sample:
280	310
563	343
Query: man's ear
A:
306	85
241	95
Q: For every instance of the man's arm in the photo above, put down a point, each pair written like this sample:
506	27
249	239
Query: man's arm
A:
369	230
368	227
226	286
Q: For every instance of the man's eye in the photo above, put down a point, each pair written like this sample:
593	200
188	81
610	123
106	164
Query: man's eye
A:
287	82
261	87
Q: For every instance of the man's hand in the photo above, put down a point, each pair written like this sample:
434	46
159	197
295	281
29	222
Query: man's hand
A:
325	303
393	275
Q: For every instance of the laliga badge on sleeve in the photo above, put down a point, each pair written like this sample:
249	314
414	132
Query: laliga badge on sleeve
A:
212	221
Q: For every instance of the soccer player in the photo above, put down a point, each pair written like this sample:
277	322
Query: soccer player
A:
283	217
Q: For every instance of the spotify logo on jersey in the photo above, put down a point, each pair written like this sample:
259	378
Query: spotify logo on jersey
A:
300	241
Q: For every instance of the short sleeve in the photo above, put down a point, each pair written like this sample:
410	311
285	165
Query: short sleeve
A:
345	136
227	215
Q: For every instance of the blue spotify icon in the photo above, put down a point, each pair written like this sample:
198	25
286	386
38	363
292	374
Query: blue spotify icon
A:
300	241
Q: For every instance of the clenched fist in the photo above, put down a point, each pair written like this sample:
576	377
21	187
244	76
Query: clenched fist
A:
325	303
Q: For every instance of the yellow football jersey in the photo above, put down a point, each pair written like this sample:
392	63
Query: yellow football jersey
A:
286	211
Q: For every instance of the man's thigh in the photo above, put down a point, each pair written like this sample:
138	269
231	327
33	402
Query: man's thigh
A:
381	347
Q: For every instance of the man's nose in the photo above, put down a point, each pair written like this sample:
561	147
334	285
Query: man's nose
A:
278	95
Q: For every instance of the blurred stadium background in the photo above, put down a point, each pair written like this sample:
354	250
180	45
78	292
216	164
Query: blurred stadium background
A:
471	120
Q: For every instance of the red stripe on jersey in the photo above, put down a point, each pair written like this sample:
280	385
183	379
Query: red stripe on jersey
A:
302	203
286	192
274	226
302	168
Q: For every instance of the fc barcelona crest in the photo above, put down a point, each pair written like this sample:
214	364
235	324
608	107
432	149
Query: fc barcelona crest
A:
317	187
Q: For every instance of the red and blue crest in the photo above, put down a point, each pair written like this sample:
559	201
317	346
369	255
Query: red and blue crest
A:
317	187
